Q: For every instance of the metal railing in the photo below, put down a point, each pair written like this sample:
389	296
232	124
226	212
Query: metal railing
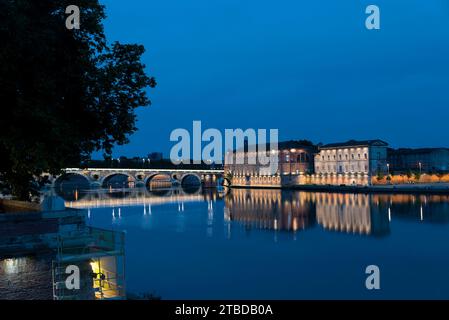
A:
99	255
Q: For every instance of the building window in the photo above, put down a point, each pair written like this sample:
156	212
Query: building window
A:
341	169
340	156
328	157
366	167
323	158
346	156
366	156
352	156
359	155
334	156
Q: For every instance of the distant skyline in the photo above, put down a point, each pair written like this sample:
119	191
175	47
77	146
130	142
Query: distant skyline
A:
310	69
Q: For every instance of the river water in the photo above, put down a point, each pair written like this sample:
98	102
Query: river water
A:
273	244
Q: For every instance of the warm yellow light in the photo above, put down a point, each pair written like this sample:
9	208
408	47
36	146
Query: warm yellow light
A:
95	266
295	224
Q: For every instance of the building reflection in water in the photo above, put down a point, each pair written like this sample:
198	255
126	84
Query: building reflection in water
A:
350	213
365	214
269	209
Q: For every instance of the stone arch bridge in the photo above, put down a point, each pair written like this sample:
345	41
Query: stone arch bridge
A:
144	177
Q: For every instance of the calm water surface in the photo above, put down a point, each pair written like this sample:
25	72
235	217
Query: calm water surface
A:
272	244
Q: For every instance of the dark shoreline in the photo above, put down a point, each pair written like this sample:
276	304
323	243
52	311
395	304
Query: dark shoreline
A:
356	189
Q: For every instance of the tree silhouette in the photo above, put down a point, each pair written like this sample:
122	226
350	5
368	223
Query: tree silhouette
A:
64	93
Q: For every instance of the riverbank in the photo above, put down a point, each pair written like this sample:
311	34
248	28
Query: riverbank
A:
14	206
402	188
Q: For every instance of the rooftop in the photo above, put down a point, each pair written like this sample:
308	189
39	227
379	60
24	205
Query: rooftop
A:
290	144
417	150
355	143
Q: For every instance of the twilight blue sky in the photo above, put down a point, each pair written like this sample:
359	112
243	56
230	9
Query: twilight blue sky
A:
308	68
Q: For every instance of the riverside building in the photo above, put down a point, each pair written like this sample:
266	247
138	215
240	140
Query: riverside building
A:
293	162
350	163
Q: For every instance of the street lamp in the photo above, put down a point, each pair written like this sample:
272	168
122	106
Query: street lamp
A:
420	167
388	168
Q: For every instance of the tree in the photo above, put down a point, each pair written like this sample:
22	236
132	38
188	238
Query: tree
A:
409	174
228	177
417	175
380	176
305	142
64	93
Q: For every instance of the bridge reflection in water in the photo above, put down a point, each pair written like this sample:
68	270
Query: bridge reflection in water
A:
365	214
98	198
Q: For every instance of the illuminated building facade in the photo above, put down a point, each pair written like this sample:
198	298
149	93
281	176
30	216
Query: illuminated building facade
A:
350	163
289	164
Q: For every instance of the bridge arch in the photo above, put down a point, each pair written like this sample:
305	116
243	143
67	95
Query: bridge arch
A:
190	179
128	181
158	180
65	179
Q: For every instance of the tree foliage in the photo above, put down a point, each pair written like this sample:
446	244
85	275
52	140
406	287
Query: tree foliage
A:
417	175
380	176
63	93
